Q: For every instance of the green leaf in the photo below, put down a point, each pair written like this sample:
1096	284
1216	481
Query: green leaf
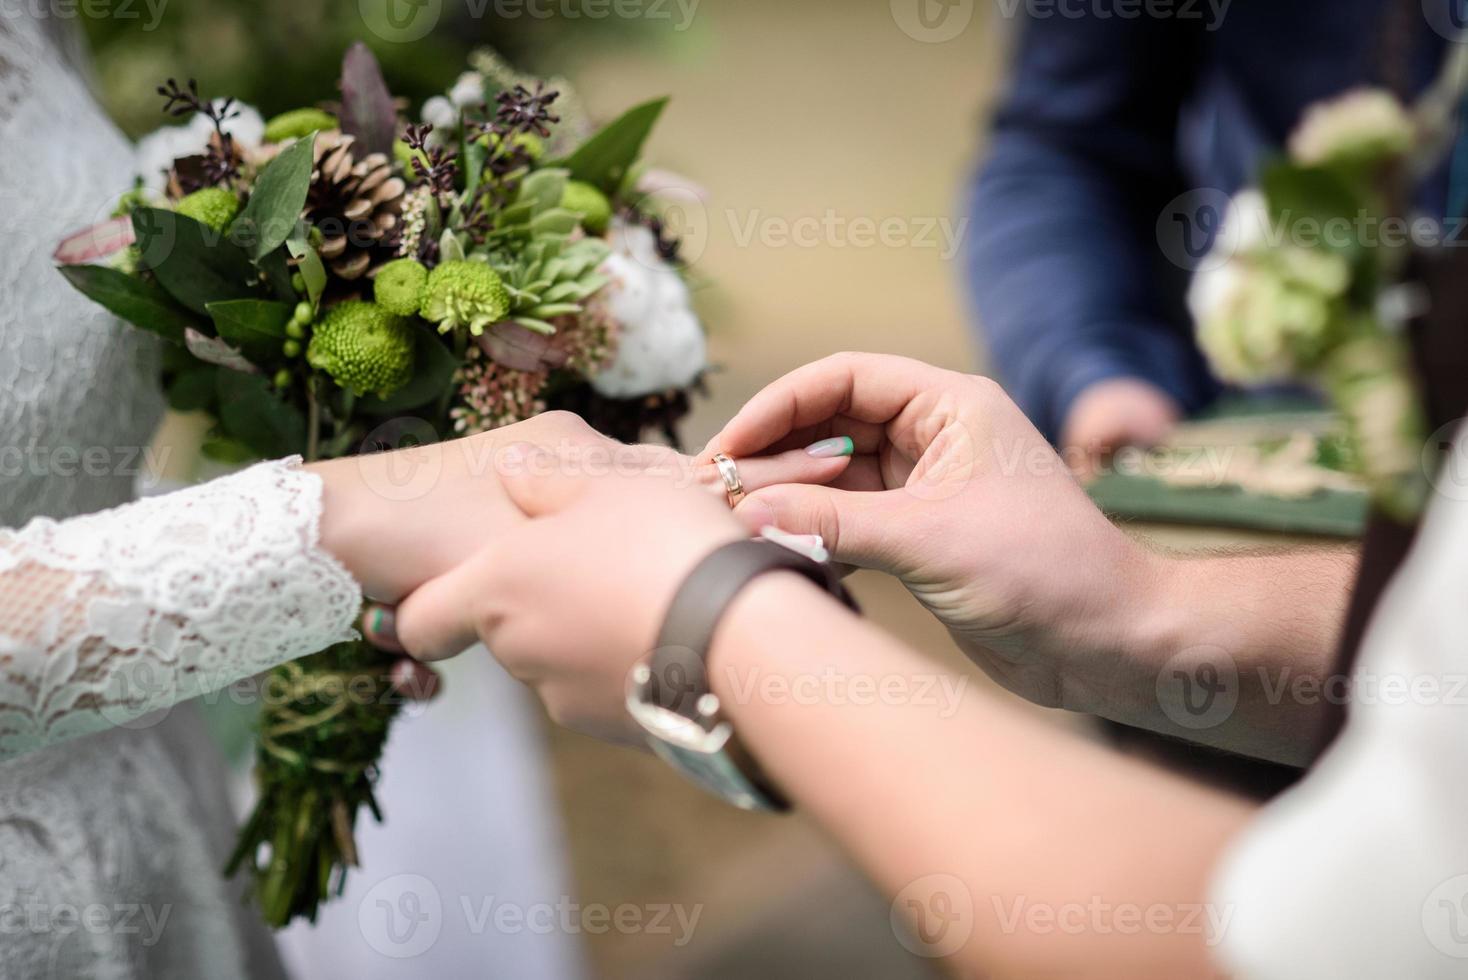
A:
539	326
310	267
450	249
255	326
143	304
605	159
223	449
193	390
277	270
252	413
276	202
433	374
1313	206
193	262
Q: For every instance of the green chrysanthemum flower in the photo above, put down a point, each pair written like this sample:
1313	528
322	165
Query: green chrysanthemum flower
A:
399	286
298	123
212	206
588	202
364	348
465	294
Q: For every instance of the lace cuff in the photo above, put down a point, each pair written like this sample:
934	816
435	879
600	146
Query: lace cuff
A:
109	616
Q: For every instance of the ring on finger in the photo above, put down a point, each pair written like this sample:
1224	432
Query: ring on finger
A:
729	473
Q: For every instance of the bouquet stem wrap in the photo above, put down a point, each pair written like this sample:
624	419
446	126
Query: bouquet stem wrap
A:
322	730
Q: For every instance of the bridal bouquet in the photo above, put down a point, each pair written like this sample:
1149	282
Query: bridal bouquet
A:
340	266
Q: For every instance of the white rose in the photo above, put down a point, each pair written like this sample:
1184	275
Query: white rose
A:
1360	123
661	343
156	152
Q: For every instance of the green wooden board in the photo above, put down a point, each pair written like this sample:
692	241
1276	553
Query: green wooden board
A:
1141	498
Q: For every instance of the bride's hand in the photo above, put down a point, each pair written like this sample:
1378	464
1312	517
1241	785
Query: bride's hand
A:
955	492
572	595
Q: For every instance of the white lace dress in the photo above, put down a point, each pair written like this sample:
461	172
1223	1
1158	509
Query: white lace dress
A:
113	820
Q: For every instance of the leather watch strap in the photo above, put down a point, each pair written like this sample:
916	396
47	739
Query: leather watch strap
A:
678	662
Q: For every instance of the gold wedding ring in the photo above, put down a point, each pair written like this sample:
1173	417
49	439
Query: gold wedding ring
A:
729	473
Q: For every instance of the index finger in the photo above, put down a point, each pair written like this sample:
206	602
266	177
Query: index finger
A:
871	388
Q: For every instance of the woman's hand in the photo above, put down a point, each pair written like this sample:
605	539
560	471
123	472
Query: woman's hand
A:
1116	413
572	593
955	492
402	518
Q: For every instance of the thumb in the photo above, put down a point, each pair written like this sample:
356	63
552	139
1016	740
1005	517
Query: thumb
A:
439	619
858	527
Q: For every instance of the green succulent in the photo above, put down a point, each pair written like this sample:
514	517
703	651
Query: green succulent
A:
399	286
364	348
464	293
551	277
588	202
212	206
298	123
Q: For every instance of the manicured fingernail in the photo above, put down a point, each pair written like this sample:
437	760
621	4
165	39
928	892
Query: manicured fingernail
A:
383	624
829	448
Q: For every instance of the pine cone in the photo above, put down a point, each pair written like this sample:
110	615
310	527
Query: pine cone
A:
357	205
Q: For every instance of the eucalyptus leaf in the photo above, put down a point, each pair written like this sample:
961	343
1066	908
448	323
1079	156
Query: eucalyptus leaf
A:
275	205
256	327
604	159
192	261
144	304
251	412
433	374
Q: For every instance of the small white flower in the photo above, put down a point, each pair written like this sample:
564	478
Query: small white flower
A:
468	90
440	113
156	152
1360	123
661	344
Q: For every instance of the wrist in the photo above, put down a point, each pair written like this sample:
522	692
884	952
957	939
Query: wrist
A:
351	519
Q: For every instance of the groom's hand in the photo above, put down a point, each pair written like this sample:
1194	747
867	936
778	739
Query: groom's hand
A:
955	492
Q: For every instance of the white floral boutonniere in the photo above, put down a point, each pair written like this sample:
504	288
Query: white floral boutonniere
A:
1304	283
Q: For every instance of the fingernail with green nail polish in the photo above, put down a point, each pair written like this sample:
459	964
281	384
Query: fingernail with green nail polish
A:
828	448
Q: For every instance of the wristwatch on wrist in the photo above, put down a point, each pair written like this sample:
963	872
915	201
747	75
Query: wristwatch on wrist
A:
668	694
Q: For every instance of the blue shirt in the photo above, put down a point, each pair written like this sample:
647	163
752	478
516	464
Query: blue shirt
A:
1107	120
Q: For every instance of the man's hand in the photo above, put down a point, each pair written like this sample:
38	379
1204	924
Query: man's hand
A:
1113	414
954	491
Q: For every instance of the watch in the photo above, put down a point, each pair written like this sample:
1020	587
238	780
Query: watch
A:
668	694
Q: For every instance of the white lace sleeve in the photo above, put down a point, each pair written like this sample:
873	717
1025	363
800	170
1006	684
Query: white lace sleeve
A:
106	617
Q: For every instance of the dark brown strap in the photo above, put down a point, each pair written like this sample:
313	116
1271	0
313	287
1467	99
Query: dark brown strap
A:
678	663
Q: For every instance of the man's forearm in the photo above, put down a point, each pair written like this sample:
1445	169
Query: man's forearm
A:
975	814
1236	652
